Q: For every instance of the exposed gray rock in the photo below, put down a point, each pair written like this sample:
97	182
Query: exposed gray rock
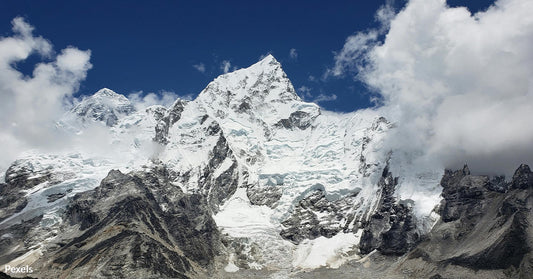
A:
218	188
266	195
391	230
167	119
316	216
462	194
54	197
20	176
14	239
298	119
480	228
136	222
522	178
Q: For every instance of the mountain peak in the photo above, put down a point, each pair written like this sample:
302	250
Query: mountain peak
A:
268	64
260	83
270	59
109	94
105	106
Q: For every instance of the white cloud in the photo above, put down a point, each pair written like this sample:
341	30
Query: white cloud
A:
325	98
460	86
293	54
200	67
305	91
351	57
385	14
142	101
225	66
30	104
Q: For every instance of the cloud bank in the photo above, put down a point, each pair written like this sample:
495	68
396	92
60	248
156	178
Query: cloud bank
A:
30	104
459	86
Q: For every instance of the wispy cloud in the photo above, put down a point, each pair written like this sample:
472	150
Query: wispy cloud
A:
30	105
225	66
352	58
325	98
305	92
200	67
293	54
141	100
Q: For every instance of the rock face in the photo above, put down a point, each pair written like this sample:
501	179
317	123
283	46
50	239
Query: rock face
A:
316	216
391	229
298	119
480	228
136	223
22	176
166	119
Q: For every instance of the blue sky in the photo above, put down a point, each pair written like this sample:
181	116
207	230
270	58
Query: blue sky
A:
154	45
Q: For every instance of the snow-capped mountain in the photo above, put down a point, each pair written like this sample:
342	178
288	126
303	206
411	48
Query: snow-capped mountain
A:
104	106
246	177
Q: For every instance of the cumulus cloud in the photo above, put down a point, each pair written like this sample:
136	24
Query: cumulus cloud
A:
293	54
30	104
459	86
199	67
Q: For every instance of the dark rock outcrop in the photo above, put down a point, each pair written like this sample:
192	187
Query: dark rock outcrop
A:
481	227
316	216
267	195
166	120
522	178
391	229
19	176
218	187
23	175
16	236
298	119
140	223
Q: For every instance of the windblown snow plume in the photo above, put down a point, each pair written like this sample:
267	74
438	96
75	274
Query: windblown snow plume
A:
459	85
30	104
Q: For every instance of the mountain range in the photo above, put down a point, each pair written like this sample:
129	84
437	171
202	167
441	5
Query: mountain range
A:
249	180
